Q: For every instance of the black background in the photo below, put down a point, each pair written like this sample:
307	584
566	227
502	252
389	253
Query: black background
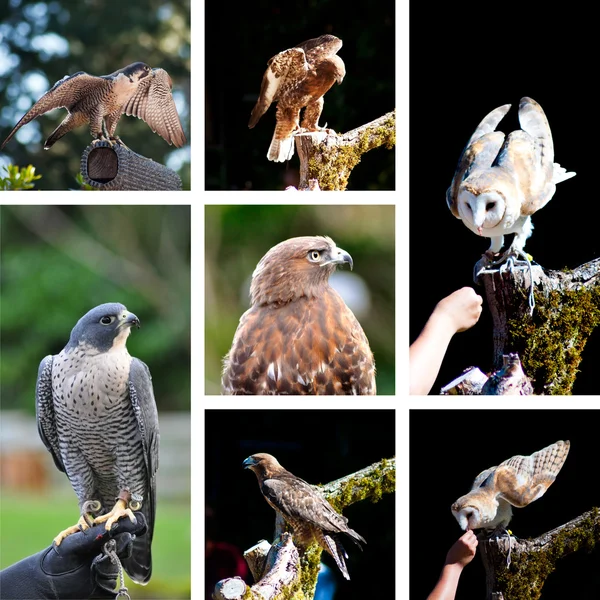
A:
241	39
466	59
318	446
449	448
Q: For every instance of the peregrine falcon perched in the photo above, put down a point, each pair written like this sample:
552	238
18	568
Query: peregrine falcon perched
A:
135	90
97	416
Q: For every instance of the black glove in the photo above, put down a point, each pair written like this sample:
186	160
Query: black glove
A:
77	569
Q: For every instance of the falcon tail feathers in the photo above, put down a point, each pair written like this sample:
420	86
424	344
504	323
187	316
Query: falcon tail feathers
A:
281	150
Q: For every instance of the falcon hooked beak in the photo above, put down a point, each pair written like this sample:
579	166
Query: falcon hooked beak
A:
339	257
128	319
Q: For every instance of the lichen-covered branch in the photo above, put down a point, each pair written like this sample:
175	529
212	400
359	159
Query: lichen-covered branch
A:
328	159
289	574
532	561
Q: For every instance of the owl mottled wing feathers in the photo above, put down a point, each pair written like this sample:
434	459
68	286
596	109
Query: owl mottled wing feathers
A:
284	70
154	104
522	479
65	93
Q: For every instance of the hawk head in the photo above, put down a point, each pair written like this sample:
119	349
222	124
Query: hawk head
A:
299	267
264	465
104	328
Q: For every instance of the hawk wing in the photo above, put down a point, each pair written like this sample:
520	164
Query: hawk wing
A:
480	152
153	103
284	71
65	93
329	352
44	411
522	479
139	564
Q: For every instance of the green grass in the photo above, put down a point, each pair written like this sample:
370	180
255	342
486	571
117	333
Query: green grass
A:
28	524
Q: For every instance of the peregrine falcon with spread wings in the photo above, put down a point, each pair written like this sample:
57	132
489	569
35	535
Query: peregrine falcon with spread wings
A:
298	78
517	481
135	90
299	337
302	506
97	416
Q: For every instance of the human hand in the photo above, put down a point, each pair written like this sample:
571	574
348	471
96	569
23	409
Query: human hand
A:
463	550
462	308
78	568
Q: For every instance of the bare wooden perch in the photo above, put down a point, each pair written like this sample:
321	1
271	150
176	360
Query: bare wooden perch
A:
329	159
532	561
282	571
549	342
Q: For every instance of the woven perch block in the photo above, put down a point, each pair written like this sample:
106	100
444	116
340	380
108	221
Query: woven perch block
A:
116	167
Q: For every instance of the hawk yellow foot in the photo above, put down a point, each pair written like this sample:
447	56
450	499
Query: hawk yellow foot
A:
119	510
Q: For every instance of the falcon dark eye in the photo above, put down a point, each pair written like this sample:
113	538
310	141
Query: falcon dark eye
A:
314	255
107	320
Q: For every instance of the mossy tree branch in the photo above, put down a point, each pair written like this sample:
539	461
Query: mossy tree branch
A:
328	159
532	561
291	574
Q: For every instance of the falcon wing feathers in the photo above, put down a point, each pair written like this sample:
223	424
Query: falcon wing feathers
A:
44	412
153	103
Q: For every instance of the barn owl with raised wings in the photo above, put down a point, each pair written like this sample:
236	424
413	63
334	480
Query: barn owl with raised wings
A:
298	78
517	481
500	182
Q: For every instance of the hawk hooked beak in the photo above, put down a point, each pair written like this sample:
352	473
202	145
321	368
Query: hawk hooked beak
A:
339	257
248	463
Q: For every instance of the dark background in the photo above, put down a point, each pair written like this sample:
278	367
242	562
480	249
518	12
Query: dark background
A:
449	448
255	31
318	446
463	64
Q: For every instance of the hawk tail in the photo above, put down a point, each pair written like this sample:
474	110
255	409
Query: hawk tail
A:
281	150
335	548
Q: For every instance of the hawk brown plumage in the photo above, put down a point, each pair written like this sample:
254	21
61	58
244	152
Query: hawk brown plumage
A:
299	337
310	516
298	78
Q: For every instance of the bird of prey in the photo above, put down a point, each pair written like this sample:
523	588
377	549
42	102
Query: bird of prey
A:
135	90
510	380
499	183
517	481
299	337
97	416
298	78
301	505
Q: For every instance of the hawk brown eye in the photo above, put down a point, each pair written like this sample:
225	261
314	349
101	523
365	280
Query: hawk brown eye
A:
107	320
314	255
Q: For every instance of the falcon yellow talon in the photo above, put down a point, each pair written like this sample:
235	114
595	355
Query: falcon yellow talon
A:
81	525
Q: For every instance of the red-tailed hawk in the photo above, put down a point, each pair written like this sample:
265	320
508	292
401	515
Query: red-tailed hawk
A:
296	78
310	516
299	337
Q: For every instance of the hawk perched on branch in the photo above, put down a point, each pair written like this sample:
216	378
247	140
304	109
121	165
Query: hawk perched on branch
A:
517	481
298	78
303	507
299	337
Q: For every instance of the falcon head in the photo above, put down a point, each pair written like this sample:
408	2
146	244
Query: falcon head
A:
104	328
299	267
134	72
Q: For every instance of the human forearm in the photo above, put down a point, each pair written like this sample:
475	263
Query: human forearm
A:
445	588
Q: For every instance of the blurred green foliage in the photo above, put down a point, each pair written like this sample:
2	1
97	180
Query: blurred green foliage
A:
238	236
170	546
18	179
56	263
48	40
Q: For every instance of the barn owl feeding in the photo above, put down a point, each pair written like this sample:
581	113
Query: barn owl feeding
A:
517	481
500	182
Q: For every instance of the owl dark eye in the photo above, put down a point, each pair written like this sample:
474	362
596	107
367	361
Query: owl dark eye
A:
314	255
490	205
107	320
